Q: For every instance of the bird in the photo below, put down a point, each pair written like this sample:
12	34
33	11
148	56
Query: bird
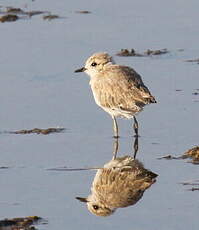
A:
117	89
120	183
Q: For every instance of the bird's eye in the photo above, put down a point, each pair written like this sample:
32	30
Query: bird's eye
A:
94	64
95	207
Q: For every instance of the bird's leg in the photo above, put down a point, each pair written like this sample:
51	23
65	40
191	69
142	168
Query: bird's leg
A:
135	126
135	146
115	148
115	127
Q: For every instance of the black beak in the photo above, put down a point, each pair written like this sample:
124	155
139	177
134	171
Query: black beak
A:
80	70
82	199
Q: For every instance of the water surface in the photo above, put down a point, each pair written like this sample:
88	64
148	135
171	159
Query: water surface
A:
39	89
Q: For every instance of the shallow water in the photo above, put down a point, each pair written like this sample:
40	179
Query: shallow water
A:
39	89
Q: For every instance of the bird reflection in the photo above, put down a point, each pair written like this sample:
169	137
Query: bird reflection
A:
120	183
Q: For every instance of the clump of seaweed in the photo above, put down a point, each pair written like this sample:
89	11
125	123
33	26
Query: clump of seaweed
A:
11	14
156	52
21	223
83	12
9	18
38	131
14	10
50	17
192	153
128	53
148	52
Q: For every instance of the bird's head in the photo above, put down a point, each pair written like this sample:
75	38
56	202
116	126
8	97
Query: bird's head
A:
96	63
96	207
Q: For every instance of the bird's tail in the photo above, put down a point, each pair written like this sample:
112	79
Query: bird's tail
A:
152	99
149	174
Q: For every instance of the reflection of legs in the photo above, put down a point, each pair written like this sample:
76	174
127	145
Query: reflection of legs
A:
135	126
115	148
115	127
135	146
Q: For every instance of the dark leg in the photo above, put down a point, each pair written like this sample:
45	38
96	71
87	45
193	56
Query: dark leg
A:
135	146
135	126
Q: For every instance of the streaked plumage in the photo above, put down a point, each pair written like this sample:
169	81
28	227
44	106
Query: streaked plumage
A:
119	184
118	89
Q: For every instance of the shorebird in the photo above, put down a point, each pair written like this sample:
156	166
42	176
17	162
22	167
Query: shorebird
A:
117	89
120	183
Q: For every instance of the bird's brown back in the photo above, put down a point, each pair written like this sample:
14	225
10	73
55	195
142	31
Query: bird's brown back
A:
120	87
122	187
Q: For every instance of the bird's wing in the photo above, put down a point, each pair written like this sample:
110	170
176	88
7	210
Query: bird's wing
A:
135	82
121	87
121	188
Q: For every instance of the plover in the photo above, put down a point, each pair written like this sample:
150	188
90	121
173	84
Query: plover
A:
120	183
117	89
